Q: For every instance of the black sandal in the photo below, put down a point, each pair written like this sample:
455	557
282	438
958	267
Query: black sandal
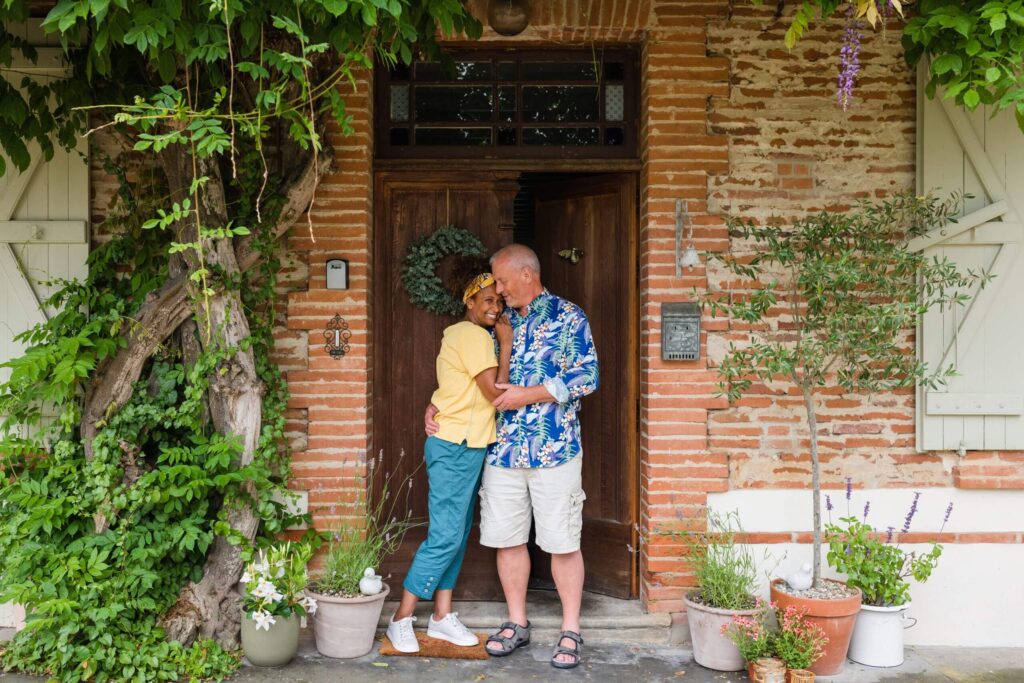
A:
562	650
520	638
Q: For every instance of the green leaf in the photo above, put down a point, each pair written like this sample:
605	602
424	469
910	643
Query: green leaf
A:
971	98
992	74
947	63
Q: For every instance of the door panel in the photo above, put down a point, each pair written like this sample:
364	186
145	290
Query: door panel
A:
597	215
407	339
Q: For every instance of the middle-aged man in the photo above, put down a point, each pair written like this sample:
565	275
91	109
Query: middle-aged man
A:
534	470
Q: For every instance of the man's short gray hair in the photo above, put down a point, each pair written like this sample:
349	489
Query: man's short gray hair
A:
518	256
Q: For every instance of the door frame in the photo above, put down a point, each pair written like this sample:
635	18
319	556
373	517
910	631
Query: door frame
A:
382	168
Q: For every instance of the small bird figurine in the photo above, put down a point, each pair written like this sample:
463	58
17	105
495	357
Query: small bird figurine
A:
371	584
801	580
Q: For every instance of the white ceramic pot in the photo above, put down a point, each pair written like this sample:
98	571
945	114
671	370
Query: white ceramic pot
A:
346	627
878	635
712	649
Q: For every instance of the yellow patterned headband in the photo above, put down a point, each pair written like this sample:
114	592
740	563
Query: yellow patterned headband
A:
479	282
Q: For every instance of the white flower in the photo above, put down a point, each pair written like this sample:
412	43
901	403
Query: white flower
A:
309	604
246	577
263	620
267	590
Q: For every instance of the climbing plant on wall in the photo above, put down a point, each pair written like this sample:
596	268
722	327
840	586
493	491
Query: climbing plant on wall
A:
125	520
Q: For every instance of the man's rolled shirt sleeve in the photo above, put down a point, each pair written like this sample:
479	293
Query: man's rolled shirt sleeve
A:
579	374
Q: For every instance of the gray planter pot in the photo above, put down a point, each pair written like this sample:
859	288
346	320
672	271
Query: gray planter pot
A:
275	647
346	627
711	649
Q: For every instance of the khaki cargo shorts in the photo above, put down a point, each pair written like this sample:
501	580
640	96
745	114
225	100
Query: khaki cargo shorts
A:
551	496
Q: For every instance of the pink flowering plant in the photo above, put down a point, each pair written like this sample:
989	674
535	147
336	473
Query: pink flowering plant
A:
751	635
274	583
798	642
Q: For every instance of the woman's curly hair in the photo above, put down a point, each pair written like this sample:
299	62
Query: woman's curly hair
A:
462	272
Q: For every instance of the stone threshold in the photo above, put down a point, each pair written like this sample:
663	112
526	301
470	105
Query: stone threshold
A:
602	619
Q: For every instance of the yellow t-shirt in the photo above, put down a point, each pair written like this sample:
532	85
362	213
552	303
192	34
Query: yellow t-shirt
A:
464	414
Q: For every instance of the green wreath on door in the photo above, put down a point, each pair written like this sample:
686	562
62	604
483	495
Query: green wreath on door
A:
419	268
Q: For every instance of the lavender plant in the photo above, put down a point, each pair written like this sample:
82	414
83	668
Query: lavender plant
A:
850	290
878	568
377	534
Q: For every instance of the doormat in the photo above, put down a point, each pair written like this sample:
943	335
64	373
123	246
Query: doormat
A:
441	649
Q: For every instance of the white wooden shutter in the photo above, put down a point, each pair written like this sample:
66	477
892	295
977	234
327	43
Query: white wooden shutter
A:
44	213
982	408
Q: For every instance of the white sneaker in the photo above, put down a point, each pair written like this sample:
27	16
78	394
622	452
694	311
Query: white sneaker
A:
452	630
402	636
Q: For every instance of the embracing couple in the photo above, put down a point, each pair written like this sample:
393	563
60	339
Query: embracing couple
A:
504	421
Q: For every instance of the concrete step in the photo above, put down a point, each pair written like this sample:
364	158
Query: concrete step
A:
602	619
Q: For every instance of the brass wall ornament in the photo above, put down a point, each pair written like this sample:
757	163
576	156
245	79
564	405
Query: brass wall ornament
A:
336	336
572	255
508	17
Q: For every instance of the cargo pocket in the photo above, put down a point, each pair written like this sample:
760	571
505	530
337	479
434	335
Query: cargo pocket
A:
576	514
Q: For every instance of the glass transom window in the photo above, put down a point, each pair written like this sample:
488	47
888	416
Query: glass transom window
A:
523	103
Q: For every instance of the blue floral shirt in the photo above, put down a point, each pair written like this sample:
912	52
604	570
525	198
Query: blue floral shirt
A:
552	345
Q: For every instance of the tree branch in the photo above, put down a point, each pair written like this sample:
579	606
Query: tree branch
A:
167	308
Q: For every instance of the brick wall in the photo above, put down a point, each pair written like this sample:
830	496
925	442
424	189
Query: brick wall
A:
732	123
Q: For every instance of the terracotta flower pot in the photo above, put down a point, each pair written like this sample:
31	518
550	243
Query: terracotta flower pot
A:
799	676
711	648
835	617
346	627
275	646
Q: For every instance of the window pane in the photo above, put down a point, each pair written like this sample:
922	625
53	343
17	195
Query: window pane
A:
560	136
453	103
453	136
614	103
507	103
399	103
559	71
506	136
460	71
399	136
506	71
614	71
614	136
559	103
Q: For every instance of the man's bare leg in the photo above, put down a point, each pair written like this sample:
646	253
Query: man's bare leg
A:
568	572
514	572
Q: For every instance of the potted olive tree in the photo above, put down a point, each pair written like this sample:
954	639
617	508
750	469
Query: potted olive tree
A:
830	303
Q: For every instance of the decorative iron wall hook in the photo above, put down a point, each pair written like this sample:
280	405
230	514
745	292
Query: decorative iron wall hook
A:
336	336
572	255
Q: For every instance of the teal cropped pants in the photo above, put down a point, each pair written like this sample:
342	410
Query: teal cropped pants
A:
453	473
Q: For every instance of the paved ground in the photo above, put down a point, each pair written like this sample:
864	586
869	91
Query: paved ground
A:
619	664
629	664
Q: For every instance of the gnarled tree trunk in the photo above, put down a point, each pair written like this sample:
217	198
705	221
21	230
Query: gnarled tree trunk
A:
209	607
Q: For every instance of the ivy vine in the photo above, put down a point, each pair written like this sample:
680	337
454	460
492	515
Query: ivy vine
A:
161	476
419	268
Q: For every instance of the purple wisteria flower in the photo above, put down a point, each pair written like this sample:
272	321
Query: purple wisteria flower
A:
888	535
849	62
911	512
867	506
849	487
828	507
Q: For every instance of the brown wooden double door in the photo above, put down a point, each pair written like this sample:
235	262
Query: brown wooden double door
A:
596	215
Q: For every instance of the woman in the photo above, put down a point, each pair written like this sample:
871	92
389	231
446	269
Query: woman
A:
467	371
